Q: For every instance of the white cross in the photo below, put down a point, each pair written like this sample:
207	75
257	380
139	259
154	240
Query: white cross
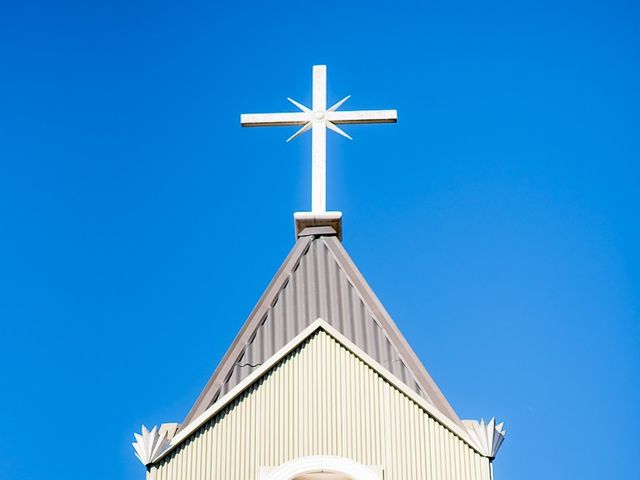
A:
318	119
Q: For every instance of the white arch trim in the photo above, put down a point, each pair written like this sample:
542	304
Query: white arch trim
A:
320	463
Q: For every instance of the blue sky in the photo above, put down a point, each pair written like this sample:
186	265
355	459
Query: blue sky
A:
497	221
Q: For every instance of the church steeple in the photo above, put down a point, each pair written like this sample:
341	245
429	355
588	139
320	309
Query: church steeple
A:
319	382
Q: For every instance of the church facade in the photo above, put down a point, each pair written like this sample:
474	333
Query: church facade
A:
319	383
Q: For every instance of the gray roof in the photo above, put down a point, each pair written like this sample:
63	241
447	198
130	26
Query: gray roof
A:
318	279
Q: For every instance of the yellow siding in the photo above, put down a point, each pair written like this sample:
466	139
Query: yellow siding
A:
322	400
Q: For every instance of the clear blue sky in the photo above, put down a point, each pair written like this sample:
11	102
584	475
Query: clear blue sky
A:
497	221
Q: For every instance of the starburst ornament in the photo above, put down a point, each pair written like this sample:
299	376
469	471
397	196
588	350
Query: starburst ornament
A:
319	116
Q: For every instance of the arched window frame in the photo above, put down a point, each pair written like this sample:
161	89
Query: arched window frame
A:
322	464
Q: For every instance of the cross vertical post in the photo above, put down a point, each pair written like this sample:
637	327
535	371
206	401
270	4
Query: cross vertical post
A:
319	141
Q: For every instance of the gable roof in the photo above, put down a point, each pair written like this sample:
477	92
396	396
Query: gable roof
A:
318	279
264	369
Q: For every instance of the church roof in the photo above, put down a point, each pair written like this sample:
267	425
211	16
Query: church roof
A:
318	279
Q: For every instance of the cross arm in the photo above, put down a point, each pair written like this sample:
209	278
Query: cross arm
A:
363	116
273	119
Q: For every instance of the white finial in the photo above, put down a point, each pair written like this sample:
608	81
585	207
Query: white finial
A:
149	444
318	119
488	436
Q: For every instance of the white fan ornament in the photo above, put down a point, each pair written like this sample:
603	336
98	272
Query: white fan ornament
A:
488	436
150	444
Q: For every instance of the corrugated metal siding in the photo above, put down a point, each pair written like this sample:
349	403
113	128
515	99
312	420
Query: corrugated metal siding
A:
322	400
318	288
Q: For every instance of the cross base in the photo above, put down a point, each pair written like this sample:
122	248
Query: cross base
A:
314	221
